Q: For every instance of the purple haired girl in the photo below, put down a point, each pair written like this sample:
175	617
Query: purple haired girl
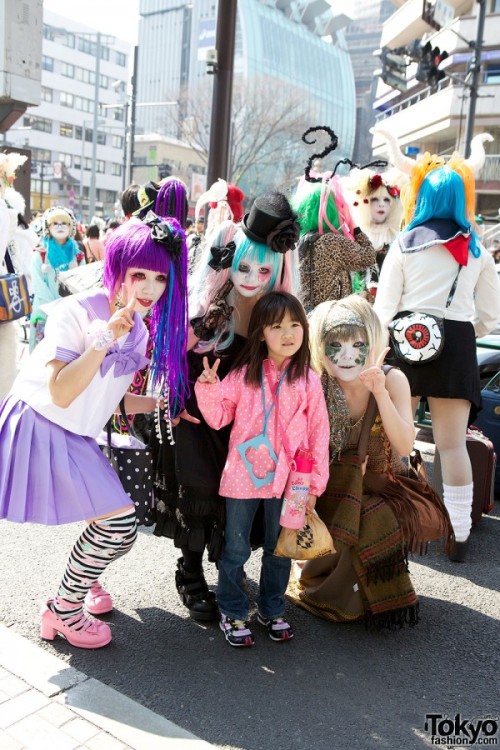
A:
94	342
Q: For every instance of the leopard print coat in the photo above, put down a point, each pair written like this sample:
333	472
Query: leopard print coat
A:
326	262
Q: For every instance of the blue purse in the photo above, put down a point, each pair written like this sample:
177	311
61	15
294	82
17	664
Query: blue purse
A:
261	444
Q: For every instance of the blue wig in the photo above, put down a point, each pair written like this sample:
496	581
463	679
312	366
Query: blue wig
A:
442	196
255	252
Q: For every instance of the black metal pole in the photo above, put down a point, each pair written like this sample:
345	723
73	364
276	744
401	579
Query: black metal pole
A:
133	100
475	69
41	186
220	125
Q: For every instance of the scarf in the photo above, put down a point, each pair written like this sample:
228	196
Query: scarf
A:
59	256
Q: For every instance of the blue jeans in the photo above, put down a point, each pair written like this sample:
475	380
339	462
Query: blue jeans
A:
275	571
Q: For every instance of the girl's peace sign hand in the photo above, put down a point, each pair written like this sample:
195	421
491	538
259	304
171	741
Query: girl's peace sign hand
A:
209	374
373	377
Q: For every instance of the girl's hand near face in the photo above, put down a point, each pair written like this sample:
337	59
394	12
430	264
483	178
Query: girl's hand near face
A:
373	378
209	374
122	320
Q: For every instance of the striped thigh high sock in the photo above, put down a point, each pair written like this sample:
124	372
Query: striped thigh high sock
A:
102	542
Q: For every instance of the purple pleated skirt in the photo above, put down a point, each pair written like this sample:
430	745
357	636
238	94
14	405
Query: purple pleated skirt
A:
49	475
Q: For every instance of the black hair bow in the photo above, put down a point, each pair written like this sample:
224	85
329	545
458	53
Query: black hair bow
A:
222	257
162	233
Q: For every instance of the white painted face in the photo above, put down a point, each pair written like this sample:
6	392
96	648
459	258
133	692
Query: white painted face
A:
345	360
379	208
59	229
251	278
283	339
147	286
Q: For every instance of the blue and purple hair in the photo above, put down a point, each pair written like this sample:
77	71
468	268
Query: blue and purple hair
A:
133	246
172	201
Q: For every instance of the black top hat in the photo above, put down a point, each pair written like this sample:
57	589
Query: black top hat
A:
272	222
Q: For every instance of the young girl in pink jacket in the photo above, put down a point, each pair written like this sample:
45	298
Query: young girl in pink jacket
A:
275	360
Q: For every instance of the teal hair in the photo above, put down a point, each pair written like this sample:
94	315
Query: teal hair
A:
255	252
442	196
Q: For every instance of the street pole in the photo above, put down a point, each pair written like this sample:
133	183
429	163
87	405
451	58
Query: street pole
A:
125	145
92	190
41	186
220	125
475	69
132	114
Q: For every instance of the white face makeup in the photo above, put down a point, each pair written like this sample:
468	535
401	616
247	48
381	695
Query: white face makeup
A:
251	278
59	230
147	286
283	339
379	209
345	360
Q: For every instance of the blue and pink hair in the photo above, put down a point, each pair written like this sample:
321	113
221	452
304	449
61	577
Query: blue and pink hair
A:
132	246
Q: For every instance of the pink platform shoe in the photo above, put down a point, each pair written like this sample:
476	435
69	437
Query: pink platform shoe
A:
78	630
98	601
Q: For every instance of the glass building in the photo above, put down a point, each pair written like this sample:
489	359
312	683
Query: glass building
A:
294	47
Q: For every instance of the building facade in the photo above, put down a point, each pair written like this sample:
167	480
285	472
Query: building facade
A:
434	117
60	131
296	47
363	39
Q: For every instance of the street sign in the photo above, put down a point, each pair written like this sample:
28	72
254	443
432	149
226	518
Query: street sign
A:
443	13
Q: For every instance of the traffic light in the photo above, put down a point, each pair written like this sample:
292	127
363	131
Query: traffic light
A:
393	68
164	170
429	58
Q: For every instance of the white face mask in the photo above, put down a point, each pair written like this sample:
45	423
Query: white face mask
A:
251	278
60	230
147	286
346	359
379	209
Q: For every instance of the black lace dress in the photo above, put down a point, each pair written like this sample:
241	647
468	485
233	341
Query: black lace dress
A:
189	509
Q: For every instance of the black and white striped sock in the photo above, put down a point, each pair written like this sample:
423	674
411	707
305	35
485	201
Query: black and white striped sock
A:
102	542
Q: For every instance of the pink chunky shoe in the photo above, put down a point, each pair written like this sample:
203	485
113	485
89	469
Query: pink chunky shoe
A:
98	601
78	630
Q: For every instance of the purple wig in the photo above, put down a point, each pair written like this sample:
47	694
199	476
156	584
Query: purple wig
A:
171	200
157	245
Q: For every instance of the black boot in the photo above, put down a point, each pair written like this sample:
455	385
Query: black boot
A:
459	551
194	593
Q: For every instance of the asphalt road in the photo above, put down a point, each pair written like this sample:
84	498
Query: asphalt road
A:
333	687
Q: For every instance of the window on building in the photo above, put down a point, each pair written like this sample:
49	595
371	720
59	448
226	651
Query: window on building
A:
66	159
66	100
41	154
104	82
77	161
140	161
69	40
46	94
87	164
121	59
48	32
89	135
116	170
117	141
101	138
78	132
84	105
41	123
66	130
492	71
100	166
48	63
85	75
67	70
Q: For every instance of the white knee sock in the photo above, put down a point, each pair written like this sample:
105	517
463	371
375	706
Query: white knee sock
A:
458	502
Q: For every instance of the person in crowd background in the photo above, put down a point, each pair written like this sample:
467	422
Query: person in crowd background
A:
93	244
439	255
57	252
330	246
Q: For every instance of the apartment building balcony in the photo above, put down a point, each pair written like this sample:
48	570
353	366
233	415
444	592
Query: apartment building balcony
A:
406	24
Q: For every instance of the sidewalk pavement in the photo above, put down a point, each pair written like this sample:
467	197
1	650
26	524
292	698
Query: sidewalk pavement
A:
47	705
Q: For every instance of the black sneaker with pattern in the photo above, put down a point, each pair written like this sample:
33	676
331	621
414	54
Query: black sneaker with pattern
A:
236	632
277	628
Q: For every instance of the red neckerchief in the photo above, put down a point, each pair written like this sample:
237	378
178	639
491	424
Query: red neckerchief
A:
459	248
